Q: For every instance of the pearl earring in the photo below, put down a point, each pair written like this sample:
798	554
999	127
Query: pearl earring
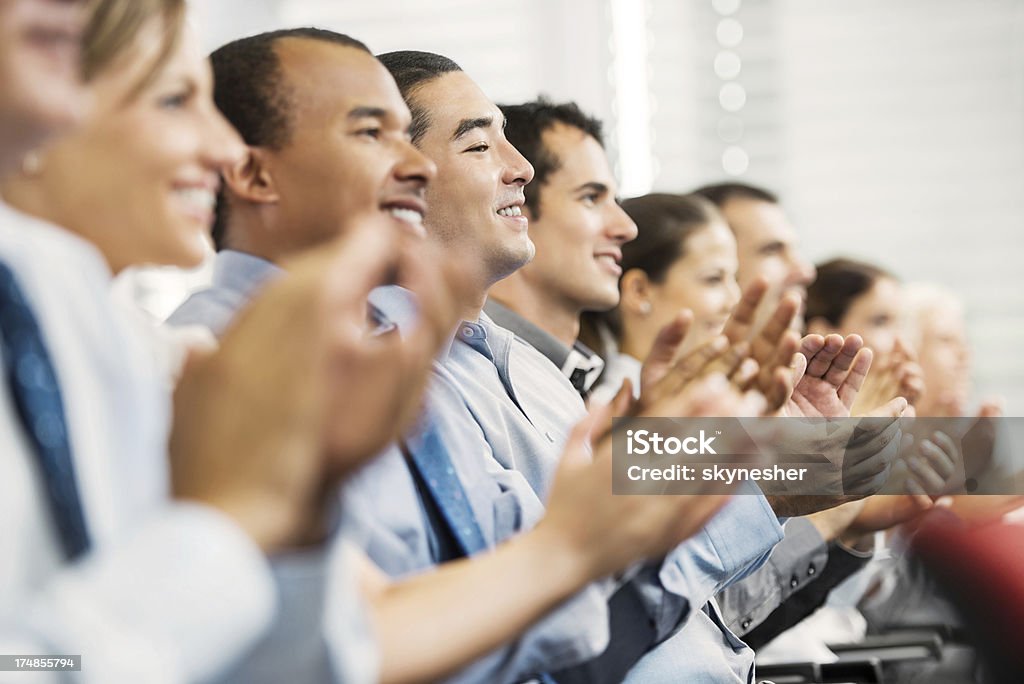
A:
645	308
32	163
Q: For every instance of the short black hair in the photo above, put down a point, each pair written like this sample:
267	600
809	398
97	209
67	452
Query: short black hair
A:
524	127
720	193
250	91
412	69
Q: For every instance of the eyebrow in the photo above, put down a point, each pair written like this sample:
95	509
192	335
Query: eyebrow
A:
594	186
467	125
368	113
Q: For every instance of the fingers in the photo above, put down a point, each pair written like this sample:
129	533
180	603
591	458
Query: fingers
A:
843	362
992	408
798	367
851	386
910	381
666	344
739	325
811	345
894	408
819	363
663	352
576	453
776	380
694	363
745	374
779	388
777	326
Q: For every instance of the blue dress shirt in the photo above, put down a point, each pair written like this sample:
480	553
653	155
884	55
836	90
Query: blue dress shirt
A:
385	516
526	408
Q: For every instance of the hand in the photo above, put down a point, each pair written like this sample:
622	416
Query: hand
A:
859	454
828	374
249	419
609	532
664	374
772	347
900	377
378	380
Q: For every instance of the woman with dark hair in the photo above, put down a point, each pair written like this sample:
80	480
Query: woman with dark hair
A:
684	257
853	297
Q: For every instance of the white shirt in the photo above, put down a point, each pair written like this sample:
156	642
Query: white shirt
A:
170	592
618	368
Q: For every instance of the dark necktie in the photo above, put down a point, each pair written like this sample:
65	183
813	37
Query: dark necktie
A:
430	458
36	396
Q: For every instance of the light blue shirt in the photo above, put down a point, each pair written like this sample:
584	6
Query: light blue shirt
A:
383	512
526	408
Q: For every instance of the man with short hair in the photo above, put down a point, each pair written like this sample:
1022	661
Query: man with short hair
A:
578	228
319	113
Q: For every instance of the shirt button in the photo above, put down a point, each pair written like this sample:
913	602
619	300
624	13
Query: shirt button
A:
467	331
793	582
811	570
745	625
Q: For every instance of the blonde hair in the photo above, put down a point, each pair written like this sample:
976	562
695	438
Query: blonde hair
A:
114	26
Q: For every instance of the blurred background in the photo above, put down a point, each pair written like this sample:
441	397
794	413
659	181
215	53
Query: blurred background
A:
893	131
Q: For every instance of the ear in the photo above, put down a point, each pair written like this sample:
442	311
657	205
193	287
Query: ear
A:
635	290
819	326
250	178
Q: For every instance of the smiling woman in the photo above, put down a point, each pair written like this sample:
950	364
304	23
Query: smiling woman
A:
143	198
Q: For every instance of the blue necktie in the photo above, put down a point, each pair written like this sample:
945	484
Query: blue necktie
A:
429	456
36	394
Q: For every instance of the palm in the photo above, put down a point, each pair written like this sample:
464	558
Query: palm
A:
835	370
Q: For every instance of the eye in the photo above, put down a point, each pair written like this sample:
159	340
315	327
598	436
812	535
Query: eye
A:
372	132
175	100
482	147
714	279
590	199
881	320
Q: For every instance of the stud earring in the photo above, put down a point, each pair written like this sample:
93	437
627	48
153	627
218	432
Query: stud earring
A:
645	308
32	163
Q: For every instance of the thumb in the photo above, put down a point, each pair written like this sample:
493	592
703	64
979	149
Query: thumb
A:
895	408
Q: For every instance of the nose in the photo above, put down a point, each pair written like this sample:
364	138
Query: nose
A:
517	171
802	272
222	144
620	226
414	166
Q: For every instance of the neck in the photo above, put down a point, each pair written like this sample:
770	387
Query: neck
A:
473	304
258	233
636	339
556	318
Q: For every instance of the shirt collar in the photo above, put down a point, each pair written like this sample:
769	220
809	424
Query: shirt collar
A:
242	273
578	363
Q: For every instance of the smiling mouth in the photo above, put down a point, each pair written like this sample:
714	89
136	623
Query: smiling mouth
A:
609	262
510	211
199	202
410	216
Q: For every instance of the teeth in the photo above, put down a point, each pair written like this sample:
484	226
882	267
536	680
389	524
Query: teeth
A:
511	211
408	215
199	198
